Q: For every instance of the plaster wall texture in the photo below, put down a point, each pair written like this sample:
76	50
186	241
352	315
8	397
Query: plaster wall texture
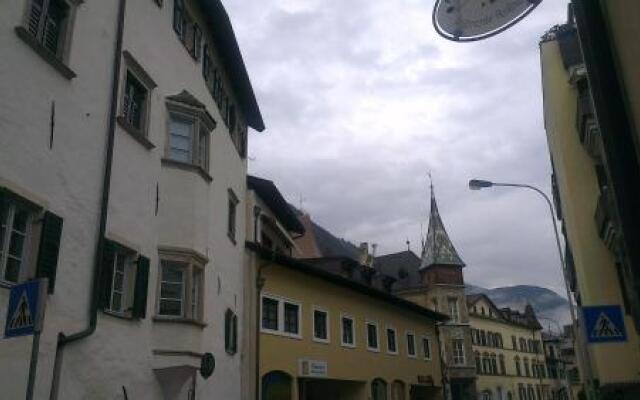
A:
67	180
597	277
281	353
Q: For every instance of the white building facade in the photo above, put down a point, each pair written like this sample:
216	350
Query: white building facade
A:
123	139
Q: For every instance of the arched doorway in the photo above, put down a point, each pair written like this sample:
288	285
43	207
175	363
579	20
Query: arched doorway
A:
398	390
379	389
276	385
486	395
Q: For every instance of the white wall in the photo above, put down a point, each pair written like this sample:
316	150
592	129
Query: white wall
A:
68	178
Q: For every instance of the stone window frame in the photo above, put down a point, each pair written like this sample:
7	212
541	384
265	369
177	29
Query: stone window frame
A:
58	60
191	262
426	339
461	356
232	215
133	69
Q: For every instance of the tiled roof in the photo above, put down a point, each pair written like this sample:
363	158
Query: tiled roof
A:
404	266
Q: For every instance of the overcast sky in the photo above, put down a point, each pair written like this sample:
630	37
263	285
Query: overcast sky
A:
362	98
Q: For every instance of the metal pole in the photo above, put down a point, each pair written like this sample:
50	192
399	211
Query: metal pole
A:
33	365
586	357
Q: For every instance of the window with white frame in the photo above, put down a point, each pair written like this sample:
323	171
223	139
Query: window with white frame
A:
457	348
426	348
453	309
281	316
372	336
320	325
15	232
411	344
188	143
347	331
134	103
123	266
392	341
181	283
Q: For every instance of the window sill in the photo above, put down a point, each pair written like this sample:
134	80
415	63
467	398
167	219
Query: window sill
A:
124	315
280	333
135	133
321	341
348	346
46	55
187	167
186	321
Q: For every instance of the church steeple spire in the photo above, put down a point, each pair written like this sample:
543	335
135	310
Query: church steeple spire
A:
438	249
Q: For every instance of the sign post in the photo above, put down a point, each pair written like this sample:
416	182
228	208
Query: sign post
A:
25	316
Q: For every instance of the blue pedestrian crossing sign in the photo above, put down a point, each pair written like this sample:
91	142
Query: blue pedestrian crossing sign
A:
604	324
26	308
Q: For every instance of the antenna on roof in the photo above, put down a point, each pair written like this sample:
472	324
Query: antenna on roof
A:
408	242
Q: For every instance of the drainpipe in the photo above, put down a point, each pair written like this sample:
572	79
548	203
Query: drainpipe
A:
443	365
64	339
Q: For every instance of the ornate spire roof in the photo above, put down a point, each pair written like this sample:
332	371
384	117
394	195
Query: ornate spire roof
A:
438	249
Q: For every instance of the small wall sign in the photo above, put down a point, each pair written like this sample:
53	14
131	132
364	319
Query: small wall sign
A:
313	368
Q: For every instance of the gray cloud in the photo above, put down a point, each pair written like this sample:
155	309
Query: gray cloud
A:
362	98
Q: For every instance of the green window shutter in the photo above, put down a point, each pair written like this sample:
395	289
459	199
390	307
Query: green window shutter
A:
141	288
235	334
227	334
49	248
106	277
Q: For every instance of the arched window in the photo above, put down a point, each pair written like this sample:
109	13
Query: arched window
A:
398	390
518	370
503	371
483	338
486	363
379	389
509	396
499	337
530	393
494	364
276	385
527	371
486	395
478	363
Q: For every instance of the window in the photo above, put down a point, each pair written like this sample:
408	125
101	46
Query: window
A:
483	338
125	276
503	370
379	389
527	372
453	310
269	314
372	336
321	326
411	344
426	348
230	332
189	128
514	343
458	351
231	217
518	368
347	329
134	103
47	22
181	282
179	18
523	345
281	316
494	365
15	222
19	220
392	345
478	363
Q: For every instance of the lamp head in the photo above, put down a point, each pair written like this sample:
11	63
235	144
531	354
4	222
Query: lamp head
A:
477	184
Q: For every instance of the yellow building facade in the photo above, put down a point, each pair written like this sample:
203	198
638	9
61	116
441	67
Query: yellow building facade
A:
509	353
585	200
327	328
370	345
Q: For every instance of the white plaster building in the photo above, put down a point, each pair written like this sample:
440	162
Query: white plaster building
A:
123	136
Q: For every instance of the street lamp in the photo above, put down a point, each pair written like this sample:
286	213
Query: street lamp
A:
477	184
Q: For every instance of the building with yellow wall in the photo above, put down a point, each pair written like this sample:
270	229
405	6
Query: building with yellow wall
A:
601	247
329	328
509	353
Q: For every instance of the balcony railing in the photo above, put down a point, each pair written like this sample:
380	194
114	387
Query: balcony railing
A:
586	123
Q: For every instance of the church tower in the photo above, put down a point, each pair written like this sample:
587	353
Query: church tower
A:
442	284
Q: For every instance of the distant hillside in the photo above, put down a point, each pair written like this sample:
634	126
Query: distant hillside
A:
546	303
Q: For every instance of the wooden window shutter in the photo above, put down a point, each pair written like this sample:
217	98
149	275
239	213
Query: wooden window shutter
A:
49	248
108	256
227	333
235	333
141	288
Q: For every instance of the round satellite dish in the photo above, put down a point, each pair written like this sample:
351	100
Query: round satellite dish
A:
469	20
